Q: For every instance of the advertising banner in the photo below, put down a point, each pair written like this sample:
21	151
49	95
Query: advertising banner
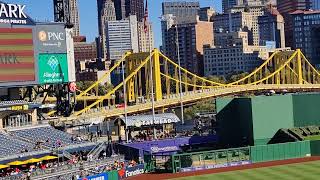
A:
102	176
16	55
197	168
51	38
53	68
131	171
14	14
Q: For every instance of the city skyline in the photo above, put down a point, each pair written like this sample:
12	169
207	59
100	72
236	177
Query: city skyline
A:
43	10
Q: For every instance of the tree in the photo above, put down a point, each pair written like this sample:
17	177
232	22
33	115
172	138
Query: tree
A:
217	79
236	77
205	106
102	89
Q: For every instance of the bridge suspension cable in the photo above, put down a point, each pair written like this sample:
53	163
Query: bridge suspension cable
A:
288	69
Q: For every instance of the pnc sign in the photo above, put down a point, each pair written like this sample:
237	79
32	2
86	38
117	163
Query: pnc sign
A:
51	38
13	14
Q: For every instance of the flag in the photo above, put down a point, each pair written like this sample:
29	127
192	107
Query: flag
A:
146	15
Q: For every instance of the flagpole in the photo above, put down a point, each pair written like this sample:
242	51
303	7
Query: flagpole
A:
146	28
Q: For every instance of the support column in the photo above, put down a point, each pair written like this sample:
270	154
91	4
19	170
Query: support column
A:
157	75
300	79
34	116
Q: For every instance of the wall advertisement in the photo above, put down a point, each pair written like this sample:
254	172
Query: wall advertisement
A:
51	38
102	176
14	14
53	68
131	171
231	164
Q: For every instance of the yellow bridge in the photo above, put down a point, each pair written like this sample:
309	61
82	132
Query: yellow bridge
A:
283	71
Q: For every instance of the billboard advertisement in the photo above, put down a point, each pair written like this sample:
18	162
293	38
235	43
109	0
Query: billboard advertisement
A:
14	14
51	38
102	176
131	171
16	55
53	68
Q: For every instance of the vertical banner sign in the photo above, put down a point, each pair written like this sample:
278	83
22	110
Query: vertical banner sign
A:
16	55
53	68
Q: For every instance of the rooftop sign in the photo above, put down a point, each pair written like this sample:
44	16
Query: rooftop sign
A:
14	14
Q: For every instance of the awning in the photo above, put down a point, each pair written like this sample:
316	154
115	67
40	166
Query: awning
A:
33	160
3	166
47	158
146	120
16	163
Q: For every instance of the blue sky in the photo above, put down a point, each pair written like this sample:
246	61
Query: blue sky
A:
43	10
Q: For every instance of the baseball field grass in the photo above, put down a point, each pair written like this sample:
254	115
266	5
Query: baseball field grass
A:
298	171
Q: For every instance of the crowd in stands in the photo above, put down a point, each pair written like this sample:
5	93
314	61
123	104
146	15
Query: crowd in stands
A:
79	162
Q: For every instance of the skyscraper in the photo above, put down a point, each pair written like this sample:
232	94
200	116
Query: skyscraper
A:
135	7
144	40
74	17
120	6
315	4
271	28
227	4
306	34
285	7
121	37
255	10
191	38
68	13
184	11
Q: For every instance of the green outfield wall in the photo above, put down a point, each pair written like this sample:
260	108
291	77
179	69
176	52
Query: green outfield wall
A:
255	120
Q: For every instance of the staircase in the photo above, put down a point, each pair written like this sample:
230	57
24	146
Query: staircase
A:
95	152
67	155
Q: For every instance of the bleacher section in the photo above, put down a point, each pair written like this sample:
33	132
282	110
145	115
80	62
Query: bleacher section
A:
11	145
47	136
296	134
35	140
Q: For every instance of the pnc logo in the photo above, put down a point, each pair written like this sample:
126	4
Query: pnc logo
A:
51	36
42	36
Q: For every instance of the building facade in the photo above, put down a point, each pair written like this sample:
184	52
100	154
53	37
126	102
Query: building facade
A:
184	11
135	7
107	14
255	11
206	14
234	22
74	16
285	7
146	39
315	4
121	37
306	34
271	27
120	7
232	54
227	4
191	37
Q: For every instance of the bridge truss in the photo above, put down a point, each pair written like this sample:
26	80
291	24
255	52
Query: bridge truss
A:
287	70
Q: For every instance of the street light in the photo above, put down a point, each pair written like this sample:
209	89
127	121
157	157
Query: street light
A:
125	102
180	78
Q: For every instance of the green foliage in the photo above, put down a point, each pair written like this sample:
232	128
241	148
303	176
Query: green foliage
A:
102	89
236	77
206	106
218	79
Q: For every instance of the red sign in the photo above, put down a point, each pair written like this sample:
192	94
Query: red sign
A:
16	55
